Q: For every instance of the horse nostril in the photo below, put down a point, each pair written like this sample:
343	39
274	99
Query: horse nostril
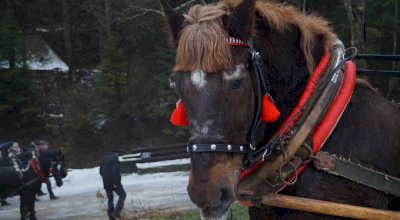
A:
226	197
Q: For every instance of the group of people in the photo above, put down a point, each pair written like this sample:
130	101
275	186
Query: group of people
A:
15	154
109	170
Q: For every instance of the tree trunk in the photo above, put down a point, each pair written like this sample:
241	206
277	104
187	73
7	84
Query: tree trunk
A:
107	11
67	36
10	35
394	82
355	12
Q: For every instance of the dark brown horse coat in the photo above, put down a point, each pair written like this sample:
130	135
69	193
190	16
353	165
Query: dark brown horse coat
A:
218	94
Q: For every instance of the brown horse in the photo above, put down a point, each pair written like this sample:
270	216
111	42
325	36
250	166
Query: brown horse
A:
217	84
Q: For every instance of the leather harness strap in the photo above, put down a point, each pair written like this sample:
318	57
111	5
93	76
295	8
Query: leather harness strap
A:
281	167
357	173
300	144
277	164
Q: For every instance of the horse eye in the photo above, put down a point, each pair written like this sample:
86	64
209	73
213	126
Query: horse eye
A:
237	84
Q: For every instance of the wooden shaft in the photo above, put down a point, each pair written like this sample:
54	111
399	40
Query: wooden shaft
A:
328	208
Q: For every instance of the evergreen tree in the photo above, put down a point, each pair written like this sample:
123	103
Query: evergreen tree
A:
18	107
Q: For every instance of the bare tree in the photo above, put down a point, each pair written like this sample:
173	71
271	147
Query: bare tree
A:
394	82
67	33
355	12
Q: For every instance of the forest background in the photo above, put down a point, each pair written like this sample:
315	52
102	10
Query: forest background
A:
116	92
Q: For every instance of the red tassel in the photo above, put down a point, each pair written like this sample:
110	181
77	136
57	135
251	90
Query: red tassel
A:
178	116
269	112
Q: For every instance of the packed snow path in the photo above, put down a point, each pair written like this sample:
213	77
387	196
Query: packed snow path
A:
78	196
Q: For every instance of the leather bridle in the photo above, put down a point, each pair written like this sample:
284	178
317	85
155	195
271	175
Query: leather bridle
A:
249	148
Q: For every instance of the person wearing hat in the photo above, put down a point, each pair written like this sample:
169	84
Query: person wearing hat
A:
14	150
44	145
110	173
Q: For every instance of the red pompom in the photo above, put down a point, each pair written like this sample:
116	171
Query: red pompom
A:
269	112
178	116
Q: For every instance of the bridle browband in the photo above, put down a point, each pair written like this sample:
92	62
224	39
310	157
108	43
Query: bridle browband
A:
248	148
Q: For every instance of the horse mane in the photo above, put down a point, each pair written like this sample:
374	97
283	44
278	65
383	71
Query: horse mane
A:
281	16
202	43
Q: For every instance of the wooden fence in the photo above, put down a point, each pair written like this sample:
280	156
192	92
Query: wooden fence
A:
152	154
379	57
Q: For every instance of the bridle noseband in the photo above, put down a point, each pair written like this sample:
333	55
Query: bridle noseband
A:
231	148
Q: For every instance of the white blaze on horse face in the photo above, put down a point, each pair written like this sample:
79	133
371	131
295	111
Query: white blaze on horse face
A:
202	128
198	78
205	128
171	84
235	74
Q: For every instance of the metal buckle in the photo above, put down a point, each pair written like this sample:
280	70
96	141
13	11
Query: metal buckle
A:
324	161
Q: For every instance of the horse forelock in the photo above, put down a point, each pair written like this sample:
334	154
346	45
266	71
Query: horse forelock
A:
202	43
281	16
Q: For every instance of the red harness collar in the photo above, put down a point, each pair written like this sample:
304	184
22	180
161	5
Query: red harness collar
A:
334	113
332	116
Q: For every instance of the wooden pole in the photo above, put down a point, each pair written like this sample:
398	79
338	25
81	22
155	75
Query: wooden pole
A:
328	208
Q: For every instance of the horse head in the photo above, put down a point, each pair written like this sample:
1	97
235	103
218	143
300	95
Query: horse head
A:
53	162
213	80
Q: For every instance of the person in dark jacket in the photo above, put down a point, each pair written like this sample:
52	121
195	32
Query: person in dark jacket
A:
44	145
110	172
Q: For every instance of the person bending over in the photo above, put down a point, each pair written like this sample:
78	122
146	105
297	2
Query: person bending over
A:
110	173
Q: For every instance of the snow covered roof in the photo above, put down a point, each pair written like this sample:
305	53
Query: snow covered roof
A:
40	56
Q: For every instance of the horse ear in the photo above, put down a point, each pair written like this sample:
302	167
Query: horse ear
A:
242	18
174	20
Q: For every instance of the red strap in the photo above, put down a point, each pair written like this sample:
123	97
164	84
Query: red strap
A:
37	169
237	44
328	123
250	170
308	91
335	111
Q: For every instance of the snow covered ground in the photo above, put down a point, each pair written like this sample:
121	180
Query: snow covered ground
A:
145	193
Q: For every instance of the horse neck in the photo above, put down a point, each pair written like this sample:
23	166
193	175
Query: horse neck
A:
285	68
